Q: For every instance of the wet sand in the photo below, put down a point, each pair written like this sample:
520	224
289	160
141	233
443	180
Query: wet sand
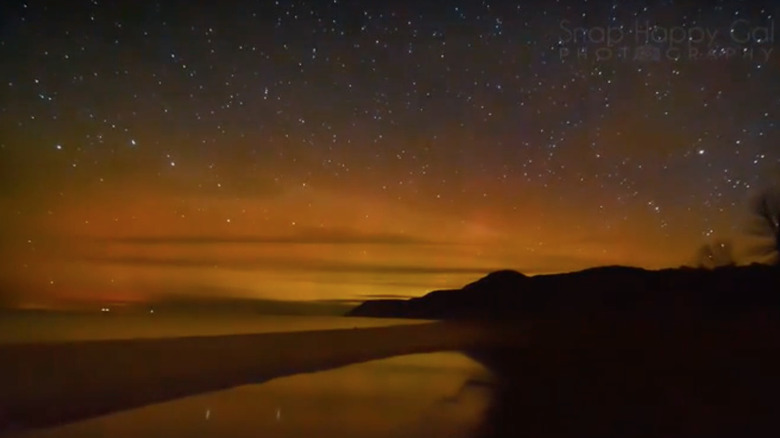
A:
553	378
55	383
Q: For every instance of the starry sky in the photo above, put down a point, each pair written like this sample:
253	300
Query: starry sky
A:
340	150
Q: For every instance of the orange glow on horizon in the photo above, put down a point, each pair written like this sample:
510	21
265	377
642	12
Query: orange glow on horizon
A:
129	242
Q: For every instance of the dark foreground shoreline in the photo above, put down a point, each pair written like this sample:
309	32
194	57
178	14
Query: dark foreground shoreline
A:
48	384
692	378
553	378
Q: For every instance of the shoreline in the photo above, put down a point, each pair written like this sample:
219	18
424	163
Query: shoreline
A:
688	377
47	384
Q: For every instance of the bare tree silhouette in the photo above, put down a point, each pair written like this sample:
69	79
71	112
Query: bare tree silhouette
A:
766	211
716	254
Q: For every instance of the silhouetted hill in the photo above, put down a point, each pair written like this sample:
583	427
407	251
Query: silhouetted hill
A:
598	291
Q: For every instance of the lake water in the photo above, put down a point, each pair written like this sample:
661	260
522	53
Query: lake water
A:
55	327
422	395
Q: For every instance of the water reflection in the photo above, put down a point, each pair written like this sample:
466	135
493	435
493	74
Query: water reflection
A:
422	395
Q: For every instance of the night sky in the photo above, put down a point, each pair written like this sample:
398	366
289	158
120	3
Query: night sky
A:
306	150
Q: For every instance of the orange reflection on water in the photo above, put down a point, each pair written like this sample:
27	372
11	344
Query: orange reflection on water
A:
425	395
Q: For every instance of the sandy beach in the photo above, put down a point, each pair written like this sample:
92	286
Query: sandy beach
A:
46	384
702	378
